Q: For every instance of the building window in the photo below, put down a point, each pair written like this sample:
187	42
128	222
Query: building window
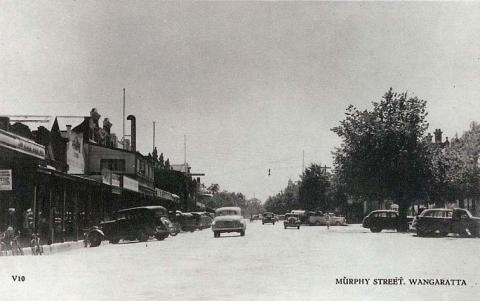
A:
112	164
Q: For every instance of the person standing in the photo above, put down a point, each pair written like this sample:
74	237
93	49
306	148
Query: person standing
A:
327	220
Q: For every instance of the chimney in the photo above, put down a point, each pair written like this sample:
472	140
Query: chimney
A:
447	143
114	140
95	116
5	123
107	125
429	138
438	136
133	132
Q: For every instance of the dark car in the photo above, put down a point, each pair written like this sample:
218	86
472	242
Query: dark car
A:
188	221
138	223
444	221
268	218
378	220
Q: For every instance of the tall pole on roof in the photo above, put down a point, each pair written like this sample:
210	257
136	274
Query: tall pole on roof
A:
303	161
185	150
153	147
123	137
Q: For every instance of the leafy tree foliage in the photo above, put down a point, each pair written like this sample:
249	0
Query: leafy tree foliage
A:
214	188
284	201
234	199
383	155
313	188
456	173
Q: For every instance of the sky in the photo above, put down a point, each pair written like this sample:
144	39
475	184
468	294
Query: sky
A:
252	85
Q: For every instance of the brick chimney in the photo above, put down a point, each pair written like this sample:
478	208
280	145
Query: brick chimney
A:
5	123
107	125
438	136
429	138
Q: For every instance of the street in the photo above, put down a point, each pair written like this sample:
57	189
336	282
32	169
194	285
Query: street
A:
268	263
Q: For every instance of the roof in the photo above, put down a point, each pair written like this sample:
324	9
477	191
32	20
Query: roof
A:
227	208
34	122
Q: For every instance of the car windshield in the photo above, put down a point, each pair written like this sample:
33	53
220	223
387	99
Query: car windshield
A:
227	212
268	215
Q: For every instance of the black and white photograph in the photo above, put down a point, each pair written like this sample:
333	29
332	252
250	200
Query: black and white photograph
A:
239	150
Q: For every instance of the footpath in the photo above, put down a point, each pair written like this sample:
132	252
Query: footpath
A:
56	248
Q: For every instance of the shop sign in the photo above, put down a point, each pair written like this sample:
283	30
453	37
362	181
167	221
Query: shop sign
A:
106	176
5	179
75	158
115	180
22	145
110	178
130	184
116	190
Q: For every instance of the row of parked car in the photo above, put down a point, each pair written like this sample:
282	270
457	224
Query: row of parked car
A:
312	218
430	222
143	223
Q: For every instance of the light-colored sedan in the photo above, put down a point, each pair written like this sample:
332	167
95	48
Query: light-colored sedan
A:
228	219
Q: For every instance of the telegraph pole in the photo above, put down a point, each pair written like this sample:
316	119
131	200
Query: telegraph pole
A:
185	150
303	161
123	120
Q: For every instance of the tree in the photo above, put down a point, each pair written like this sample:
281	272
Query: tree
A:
383	155
313	188
284	201
214	188
234	199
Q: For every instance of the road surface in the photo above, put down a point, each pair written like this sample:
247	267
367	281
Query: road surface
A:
269	263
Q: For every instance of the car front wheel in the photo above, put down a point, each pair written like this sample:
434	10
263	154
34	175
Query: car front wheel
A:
375	229
161	236
142	236
115	241
242	233
95	239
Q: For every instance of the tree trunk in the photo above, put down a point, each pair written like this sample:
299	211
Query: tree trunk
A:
402	213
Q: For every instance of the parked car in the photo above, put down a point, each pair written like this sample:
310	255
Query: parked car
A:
302	215
228	219
444	221
292	220
378	220
281	217
268	218
187	221
255	217
205	221
319	219
138	223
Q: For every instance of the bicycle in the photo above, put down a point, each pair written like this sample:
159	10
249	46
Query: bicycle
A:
37	248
